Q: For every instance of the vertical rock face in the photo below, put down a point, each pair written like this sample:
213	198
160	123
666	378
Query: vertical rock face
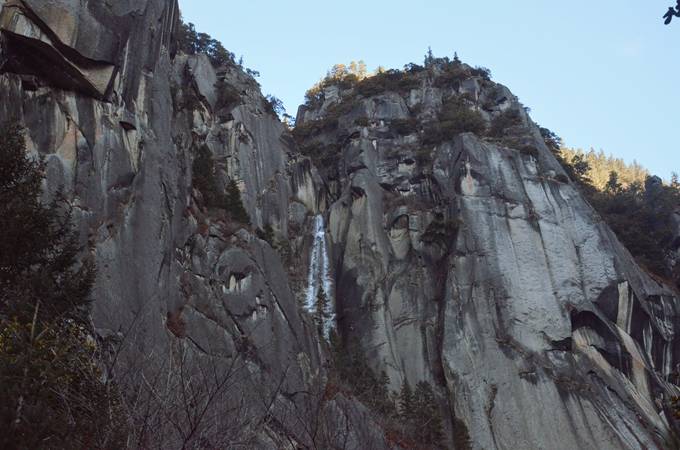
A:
465	259
192	299
470	260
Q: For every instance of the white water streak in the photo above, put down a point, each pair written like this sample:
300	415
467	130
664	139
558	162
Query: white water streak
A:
319	267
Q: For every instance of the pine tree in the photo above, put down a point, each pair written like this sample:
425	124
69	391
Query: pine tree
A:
204	178
405	401
50	388
321	313
429	57
427	420
613	186
234	204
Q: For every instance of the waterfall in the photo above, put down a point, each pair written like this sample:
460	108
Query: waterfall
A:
319	273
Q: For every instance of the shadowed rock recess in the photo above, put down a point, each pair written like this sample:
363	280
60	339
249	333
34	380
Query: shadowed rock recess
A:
460	253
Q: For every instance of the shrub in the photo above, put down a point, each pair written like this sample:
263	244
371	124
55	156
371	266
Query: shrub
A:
503	121
351	367
228	96
405	126
266	234
361	121
452	76
456	117
481	72
432	134
274	106
424	156
315	127
192	42
441	231
529	150
390	80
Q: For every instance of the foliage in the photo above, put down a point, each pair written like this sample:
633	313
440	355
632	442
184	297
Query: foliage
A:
552	141
414	416
266	234
234	205
672	12
389	80
601	165
204	179
227	95
642	218
321	311
192	42
425	418
640	212
351	367
51	390
482	72
441	231
361	121
274	106
405	126
457	117
340	75
502	122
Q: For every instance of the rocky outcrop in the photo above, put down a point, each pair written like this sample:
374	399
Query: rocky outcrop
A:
472	262
207	338
464	259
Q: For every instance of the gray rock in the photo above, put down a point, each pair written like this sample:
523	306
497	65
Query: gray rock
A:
536	325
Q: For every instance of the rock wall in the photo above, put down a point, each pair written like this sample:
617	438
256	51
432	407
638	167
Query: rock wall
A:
475	264
191	303
472	262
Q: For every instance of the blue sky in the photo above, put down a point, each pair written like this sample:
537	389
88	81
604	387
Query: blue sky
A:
602	74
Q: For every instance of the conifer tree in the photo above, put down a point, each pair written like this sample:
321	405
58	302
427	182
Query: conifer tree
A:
234	204
426	418
321	314
405	401
51	393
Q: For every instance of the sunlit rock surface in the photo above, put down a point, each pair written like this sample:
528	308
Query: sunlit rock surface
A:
472	263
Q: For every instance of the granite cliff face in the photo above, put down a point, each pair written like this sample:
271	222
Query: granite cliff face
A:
205	330
467	260
473	262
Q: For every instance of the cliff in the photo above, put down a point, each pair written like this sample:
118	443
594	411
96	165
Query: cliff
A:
459	251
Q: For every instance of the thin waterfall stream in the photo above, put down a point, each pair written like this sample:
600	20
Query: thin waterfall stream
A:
319	277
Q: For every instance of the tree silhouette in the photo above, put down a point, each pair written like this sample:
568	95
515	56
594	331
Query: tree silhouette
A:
321	314
672	12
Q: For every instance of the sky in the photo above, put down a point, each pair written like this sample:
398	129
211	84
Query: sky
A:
601	74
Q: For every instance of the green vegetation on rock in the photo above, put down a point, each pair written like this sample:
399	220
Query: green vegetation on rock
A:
52	390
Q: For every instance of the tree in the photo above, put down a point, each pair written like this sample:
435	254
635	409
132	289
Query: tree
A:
321	311
672	12
51	388
192	42
552	141
426	416
204	178
429	57
274	106
234	205
405	401
613	186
